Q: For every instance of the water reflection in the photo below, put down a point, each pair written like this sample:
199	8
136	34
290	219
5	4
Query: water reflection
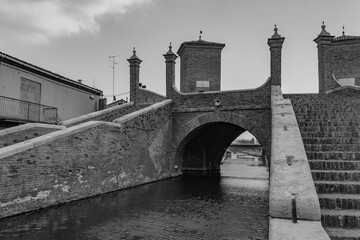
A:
192	207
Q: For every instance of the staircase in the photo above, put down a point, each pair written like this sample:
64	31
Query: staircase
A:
330	127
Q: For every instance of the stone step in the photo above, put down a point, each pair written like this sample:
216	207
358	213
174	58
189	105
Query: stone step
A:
325	187
332	147
312	123
335	175
340	218
315	155
334	165
329	134
331	129
331	140
339	201
343	234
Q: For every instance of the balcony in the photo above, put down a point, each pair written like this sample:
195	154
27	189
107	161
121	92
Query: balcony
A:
23	111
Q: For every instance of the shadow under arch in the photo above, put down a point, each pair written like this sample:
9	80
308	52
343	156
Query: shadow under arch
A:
202	141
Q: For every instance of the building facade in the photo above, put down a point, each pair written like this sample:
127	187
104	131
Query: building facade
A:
31	94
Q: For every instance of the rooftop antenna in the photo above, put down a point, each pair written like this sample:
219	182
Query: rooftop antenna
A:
112	60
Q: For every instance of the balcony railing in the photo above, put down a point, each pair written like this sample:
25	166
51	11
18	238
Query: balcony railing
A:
15	109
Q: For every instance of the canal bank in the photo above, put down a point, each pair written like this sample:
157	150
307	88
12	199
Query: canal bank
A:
233	205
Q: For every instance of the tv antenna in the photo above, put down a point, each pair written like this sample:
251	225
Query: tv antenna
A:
112	60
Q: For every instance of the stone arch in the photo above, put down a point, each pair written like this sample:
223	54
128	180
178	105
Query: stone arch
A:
193	126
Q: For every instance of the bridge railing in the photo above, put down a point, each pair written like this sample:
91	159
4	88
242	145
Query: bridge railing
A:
16	109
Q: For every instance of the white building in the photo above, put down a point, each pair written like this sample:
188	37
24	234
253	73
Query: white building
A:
31	94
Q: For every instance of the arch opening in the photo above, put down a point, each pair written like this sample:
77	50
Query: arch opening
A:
205	148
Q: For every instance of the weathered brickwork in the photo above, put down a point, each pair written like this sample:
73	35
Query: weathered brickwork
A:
246	99
20	136
103	158
338	57
170	60
275	43
134	77
330	128
211	132
210	121
147	96
200	61
107	115
346	59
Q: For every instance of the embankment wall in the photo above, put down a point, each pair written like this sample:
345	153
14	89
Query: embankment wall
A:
88	159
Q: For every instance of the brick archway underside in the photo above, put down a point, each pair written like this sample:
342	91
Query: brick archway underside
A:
202	140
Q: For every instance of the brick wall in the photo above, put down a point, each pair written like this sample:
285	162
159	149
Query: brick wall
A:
26	134
346	59
88	159
106	115
147	96
200	61
228	99
338	56
245	109
327	116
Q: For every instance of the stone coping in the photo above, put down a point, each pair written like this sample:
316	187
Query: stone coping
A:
92	115
28	126
357	88
227	91
290	178
290	175
137	113
285	229
44	139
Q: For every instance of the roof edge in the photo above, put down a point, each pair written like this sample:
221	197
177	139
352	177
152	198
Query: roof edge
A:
200	43
46	73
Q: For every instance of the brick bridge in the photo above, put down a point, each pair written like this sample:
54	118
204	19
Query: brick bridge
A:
311	140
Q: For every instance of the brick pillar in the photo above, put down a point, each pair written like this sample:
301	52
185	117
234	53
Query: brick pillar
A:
134	77
275	43
323	42
170	58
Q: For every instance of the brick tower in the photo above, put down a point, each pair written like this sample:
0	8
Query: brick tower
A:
338	60
200	64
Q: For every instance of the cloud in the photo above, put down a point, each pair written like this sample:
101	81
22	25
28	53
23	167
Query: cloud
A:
39	21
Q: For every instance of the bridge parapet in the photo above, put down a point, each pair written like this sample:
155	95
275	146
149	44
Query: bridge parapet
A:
257	98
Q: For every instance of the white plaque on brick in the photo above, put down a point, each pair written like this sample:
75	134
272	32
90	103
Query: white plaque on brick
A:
347	81
202	84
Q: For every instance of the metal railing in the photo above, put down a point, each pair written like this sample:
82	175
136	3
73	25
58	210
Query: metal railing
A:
16	109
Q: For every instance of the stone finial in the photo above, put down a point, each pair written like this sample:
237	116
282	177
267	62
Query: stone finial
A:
170	58
134	55
276	35
170	50
323	31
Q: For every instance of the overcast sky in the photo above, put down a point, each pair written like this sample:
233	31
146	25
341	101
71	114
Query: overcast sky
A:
75	38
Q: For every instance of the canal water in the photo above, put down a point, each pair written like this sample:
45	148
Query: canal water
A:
232	205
